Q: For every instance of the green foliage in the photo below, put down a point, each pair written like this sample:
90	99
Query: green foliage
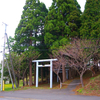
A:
59	43
92	78
31	24
80	90
91	20
62	21
48	38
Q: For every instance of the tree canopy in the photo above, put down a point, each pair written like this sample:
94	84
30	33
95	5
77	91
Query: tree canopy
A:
91	20
62	22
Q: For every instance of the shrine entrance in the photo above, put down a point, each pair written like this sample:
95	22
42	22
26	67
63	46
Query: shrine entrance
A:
44	65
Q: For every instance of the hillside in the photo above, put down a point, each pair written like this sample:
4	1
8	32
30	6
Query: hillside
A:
92	86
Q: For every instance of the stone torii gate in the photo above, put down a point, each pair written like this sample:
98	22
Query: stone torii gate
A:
47	65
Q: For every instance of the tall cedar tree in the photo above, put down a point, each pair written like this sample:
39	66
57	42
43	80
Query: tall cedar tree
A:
30	26
62	22
91	20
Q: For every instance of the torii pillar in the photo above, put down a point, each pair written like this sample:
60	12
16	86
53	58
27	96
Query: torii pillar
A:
47	65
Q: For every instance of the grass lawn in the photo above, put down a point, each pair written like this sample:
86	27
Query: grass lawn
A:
8	87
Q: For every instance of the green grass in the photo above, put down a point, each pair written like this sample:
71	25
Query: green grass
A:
92	78
80	90
7	87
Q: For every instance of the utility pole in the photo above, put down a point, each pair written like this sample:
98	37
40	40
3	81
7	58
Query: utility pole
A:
10	74
3	60
11	60
5	36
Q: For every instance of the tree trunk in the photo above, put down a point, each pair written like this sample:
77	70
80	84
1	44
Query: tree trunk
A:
41	75
63	73
23	82
26	78
59	78
70	76
81	79
13	81
46	75
30	70
30	64
18	81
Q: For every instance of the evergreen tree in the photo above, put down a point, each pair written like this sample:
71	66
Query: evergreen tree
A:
62	22
91	20
30	29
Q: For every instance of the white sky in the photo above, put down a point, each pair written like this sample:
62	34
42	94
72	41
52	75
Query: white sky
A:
10	13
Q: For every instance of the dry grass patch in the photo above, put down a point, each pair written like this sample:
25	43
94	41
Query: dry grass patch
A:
91	86
46	86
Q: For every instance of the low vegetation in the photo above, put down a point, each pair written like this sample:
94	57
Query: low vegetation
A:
92	86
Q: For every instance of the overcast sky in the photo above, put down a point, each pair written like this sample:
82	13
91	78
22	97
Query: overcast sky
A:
10	13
